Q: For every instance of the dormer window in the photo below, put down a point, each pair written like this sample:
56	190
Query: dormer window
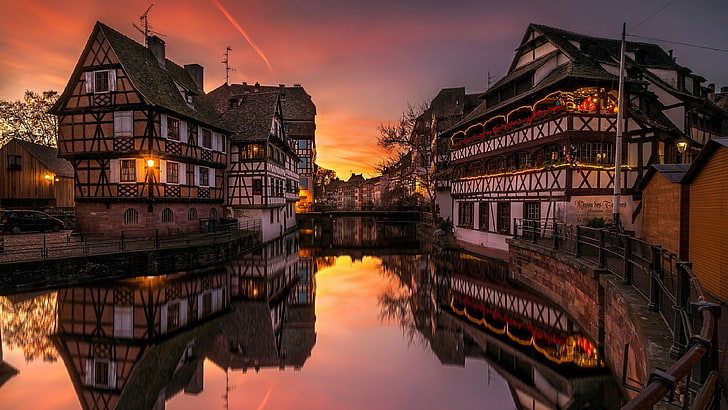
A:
100	81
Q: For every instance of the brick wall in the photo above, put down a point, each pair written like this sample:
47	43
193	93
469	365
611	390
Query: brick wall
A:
611	314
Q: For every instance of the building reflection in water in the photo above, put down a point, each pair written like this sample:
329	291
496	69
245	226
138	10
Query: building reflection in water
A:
136	343
464	307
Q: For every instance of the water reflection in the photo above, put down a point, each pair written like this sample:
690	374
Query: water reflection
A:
218	337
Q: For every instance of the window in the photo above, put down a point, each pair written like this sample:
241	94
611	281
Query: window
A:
504	218
252	151
532	210
167	215
303	164
128	170
102	81
100	373
173	128
172	172
207	138
173	316
192	214
131	216
14	162
123	123
213	212
257	186
204	176
124	321
302	144
483	217
465	214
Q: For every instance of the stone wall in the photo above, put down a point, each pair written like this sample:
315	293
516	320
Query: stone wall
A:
612	314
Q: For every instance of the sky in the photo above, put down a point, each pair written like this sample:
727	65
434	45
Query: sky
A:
362	61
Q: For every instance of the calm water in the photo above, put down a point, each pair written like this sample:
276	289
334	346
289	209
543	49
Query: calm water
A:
358	317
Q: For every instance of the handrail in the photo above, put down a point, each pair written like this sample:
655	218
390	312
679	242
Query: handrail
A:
651	261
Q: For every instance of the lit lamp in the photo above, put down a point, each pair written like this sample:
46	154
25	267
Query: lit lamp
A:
150	163
682	146
48	177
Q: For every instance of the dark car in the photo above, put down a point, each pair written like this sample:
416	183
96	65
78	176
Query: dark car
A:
19	221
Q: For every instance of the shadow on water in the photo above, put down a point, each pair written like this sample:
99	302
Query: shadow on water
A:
138	342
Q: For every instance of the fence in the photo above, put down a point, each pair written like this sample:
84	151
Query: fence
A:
669	287
19	248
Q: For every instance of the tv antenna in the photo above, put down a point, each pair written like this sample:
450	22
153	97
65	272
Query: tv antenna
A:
226	61
147	31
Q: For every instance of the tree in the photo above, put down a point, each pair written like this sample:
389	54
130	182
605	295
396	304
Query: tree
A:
410	145
29	119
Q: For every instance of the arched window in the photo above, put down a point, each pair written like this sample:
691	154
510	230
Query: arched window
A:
213	213
131	216
192	214
167	215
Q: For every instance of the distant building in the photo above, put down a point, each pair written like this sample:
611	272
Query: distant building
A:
147	148
33	177
299	121
262	182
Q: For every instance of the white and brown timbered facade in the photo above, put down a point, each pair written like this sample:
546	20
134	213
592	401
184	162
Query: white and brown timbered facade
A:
146	146
262	182
541	145
115	339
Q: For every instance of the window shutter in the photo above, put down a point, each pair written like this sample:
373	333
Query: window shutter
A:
199	306
114	171
163	326
163	171
124	322
112	80
140	174
183	131
183	312
215	300
112	374
211	177
89	372
89	82
197	176
163	125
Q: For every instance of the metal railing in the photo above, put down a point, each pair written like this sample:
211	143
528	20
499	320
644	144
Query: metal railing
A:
669	288
26	247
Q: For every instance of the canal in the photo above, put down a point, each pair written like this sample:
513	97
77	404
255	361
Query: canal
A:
360	315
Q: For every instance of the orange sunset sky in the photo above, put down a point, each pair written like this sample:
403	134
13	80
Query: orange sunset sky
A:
362	61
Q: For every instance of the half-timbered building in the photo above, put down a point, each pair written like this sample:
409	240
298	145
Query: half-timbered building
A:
146	146
541	145
299	121
107	334
261	178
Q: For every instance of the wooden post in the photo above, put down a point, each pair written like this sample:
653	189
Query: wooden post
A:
628	267
602	249
577	252
655	278
682	294
556	236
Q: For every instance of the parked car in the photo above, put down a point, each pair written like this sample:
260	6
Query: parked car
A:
18	221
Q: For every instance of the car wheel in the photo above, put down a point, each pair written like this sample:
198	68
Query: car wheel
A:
56	228
15	229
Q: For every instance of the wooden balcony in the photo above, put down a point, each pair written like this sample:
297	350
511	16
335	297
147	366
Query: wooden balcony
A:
559	124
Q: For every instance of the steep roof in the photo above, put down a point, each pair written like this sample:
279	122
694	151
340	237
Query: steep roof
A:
710	147
296	104
158	85
585	56
48	156
253	118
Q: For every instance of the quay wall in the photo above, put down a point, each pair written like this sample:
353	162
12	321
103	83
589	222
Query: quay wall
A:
612	314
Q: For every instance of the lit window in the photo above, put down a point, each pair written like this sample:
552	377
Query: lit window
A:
128	170
172	172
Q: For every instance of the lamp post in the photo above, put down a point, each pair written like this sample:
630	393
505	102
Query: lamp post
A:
150	183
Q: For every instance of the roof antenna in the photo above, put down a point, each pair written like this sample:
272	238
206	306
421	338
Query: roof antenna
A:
226	61
147	31
490	80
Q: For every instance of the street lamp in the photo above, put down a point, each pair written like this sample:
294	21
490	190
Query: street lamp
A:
682	146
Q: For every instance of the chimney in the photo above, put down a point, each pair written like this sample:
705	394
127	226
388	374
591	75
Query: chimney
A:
156	45
711	92
196	71
257	87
